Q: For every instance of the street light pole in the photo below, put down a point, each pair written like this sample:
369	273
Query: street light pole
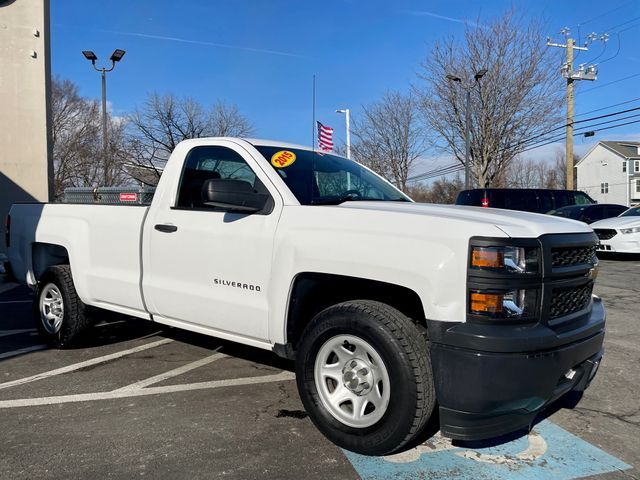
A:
116	56
467	122
467	140
104	117
346	112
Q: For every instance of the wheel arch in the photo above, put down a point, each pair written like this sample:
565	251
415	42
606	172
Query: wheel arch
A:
312	292
45	255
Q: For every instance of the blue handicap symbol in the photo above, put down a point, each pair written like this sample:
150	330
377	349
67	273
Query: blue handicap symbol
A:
547	452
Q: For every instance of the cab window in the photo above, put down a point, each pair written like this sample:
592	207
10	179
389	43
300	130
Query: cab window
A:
206	163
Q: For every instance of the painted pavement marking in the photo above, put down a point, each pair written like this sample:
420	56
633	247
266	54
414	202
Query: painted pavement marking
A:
173	373
87	397
6	302
21	351
86	363
548	452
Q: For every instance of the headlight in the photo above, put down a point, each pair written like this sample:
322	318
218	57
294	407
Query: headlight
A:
630	230
505	259
508	304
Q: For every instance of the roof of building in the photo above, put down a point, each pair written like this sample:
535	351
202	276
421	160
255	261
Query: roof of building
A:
624	149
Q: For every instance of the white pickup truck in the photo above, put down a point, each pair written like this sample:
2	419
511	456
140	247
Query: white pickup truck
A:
389	308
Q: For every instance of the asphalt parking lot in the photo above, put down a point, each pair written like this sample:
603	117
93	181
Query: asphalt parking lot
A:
137	399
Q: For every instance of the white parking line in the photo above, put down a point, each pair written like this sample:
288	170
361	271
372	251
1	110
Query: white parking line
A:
87	397
6	333
5	302
22	351
87	363
172	373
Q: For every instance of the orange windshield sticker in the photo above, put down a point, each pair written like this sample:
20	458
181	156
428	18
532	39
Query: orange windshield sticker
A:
283	158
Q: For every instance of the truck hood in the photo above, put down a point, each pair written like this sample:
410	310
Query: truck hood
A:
617	222
513	223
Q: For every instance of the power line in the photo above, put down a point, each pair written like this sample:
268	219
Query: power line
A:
604	14
528	140
580	130
456	167
583	128
622	24
610	83
615	54
607	107
437	172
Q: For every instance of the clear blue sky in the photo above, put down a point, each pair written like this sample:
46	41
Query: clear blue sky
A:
261	54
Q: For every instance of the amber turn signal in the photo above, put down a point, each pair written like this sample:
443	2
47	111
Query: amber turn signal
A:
486	303
487	258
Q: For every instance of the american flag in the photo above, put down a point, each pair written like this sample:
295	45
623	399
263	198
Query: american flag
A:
325	137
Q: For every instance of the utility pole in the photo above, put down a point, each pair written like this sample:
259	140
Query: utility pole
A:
583	72
570	101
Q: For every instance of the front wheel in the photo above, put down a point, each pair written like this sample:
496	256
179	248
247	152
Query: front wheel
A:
364	376
59	313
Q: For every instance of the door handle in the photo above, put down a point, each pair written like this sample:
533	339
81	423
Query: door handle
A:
163	227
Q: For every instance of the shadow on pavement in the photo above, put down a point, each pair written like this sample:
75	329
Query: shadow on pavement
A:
619	256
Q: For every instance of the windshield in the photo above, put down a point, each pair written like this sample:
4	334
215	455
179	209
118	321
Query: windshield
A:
570	212
323	179
632	212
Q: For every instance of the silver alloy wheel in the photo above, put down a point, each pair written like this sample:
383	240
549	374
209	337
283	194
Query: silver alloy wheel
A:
51	308
352	381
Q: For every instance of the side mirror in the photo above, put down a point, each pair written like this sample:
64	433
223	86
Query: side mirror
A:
233	195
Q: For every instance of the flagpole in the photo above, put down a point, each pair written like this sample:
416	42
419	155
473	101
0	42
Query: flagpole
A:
313	122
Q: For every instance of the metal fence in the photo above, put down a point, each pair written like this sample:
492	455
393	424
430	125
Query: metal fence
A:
109	195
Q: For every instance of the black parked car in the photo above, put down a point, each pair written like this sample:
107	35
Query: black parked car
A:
589	213
536	200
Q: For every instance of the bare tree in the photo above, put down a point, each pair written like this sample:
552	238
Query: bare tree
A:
166	120
519	97
525	172
389	137
76	126
560	168
440	191
225	120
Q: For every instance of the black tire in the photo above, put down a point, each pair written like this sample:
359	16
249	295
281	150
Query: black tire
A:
404	350
74	318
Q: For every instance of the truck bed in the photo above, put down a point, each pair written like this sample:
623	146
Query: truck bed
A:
101	242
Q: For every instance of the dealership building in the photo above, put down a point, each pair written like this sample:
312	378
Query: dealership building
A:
26	165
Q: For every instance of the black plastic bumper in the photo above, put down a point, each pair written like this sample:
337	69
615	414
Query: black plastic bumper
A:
487	392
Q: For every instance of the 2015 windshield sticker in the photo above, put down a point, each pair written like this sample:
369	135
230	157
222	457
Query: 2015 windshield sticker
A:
283	158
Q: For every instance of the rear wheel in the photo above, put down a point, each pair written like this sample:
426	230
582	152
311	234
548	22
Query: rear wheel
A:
364	376
59	313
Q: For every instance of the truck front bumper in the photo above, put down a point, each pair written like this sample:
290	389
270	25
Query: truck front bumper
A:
486	389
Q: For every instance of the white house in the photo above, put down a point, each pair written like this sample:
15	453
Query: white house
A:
610	172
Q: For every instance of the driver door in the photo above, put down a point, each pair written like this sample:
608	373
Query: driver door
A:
205	268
